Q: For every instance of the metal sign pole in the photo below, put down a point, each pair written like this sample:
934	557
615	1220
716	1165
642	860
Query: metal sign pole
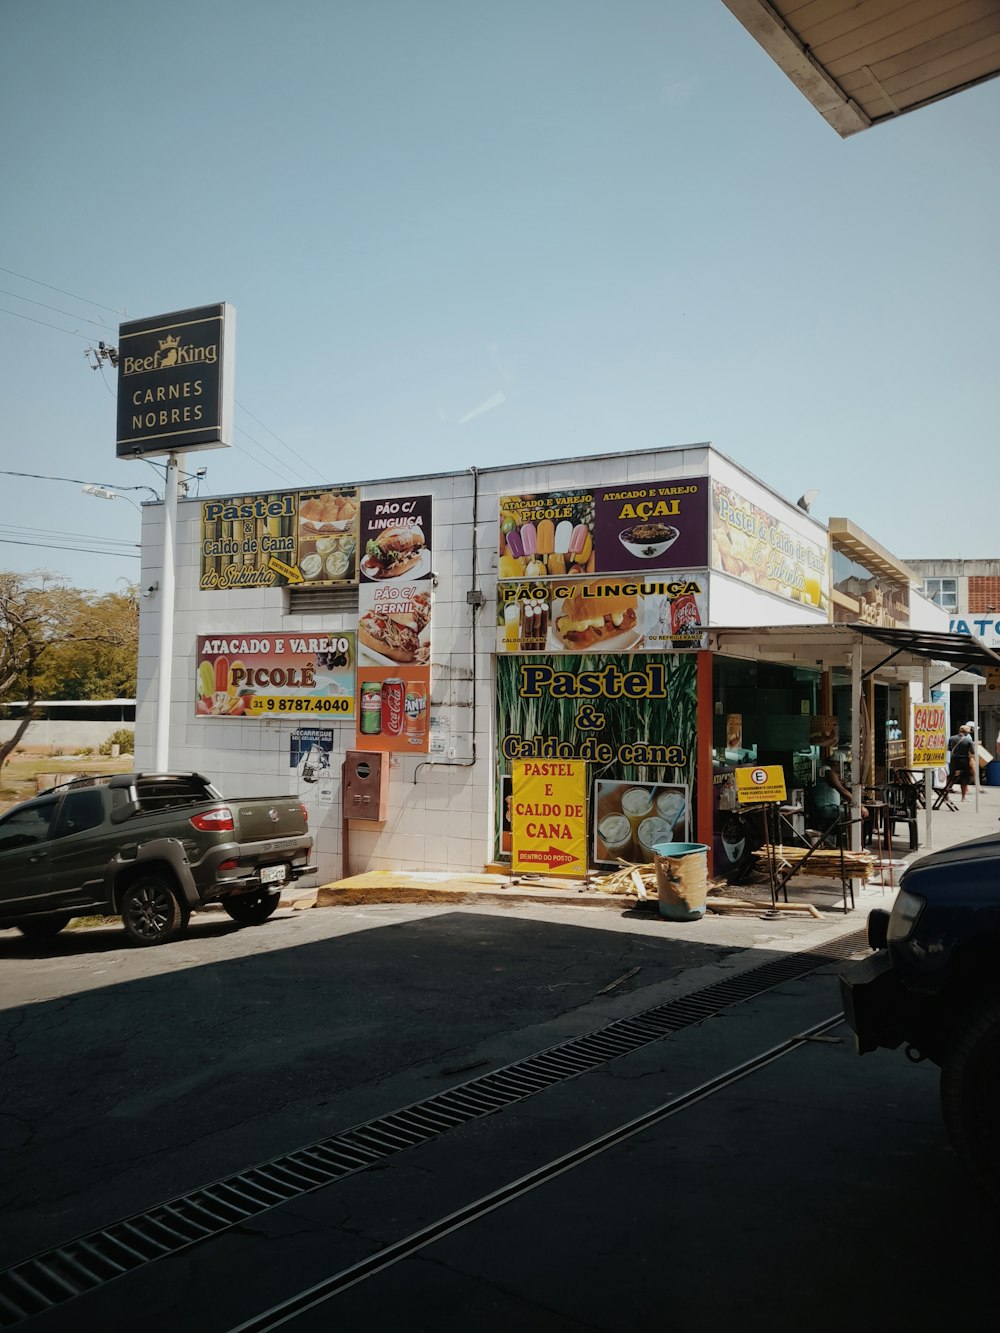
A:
161	753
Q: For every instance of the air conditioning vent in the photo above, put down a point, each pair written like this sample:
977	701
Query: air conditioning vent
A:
322	601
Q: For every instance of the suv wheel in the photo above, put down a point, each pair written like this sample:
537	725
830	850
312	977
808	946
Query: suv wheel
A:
152	911
251	909
42	927
970	1095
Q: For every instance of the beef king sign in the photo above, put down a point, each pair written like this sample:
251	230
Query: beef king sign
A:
175	382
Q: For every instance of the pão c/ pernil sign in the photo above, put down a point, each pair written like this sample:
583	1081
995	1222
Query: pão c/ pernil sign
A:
175	382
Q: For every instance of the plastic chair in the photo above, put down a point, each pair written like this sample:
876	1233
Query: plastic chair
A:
901	808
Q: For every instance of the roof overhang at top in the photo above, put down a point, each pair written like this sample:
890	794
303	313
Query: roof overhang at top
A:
861	62
891	654
854	541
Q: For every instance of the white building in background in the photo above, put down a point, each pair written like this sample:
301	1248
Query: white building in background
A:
968	591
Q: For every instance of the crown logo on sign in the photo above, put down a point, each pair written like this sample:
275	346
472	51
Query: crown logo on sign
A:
168	343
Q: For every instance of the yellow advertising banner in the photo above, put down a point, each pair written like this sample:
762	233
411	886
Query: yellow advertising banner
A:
929	736
993	678
760	783
549	817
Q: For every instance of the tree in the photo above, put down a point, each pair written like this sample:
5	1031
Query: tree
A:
58	642
97	657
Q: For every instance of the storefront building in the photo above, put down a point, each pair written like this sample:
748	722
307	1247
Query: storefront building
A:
968	591
433	630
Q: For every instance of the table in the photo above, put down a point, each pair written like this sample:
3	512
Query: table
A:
781	870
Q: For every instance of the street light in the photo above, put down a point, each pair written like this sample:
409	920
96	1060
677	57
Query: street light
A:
106	493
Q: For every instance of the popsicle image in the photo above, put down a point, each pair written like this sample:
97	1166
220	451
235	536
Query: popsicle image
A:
221	673
206	679
546	537
563	536
579	538
514	545
529	539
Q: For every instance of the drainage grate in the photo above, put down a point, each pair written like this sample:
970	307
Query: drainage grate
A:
81	1265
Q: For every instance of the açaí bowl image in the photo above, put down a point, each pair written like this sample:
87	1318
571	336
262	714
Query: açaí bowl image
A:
648	540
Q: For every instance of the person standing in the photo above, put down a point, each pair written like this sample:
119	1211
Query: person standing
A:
961	760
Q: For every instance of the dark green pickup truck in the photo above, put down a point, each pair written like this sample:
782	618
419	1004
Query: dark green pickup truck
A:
149	847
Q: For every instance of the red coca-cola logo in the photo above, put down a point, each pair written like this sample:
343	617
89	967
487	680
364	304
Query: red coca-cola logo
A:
393	700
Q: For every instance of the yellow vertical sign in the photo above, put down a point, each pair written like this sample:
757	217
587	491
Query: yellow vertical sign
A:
928	736
549	817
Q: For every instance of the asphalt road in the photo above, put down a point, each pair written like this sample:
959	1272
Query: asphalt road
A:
816	1192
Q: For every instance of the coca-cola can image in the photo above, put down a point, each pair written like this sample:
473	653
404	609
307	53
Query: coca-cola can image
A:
685	622
393	706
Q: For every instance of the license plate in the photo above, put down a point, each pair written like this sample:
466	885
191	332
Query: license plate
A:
273	874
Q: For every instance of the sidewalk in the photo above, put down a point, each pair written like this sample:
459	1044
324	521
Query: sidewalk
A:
500	892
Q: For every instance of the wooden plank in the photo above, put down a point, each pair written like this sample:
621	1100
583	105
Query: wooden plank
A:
856	19
986	63
803	15
966	36
927	20
923	84
916	85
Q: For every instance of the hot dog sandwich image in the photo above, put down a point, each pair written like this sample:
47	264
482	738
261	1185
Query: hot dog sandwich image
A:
584	621
393	552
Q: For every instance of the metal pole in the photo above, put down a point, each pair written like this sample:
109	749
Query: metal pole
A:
975	738
929	772
856	769
161	754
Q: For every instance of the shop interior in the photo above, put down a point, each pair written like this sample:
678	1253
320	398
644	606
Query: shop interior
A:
798	696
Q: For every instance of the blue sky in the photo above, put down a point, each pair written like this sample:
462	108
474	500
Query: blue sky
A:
461	234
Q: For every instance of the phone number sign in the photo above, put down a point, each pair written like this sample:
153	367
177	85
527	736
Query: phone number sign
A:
276	674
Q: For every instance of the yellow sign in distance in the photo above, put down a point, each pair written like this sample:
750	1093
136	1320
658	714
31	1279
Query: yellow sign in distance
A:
548	817
760	783
928	736
993	678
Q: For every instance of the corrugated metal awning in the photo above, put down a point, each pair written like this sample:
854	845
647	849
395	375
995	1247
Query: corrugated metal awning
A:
827	646
961	650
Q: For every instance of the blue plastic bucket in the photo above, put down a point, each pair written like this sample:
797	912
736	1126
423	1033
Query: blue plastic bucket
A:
681	879
993	773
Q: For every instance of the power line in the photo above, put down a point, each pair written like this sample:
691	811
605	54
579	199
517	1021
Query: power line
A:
100	323
72	332
17	534
60	290
85	550
276	436
271	454
77	481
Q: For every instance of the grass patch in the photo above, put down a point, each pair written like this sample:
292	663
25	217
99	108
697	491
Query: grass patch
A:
84	922
18	775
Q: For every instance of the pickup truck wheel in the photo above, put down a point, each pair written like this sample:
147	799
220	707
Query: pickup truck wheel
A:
251	909
152	911
43	927
970	1096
